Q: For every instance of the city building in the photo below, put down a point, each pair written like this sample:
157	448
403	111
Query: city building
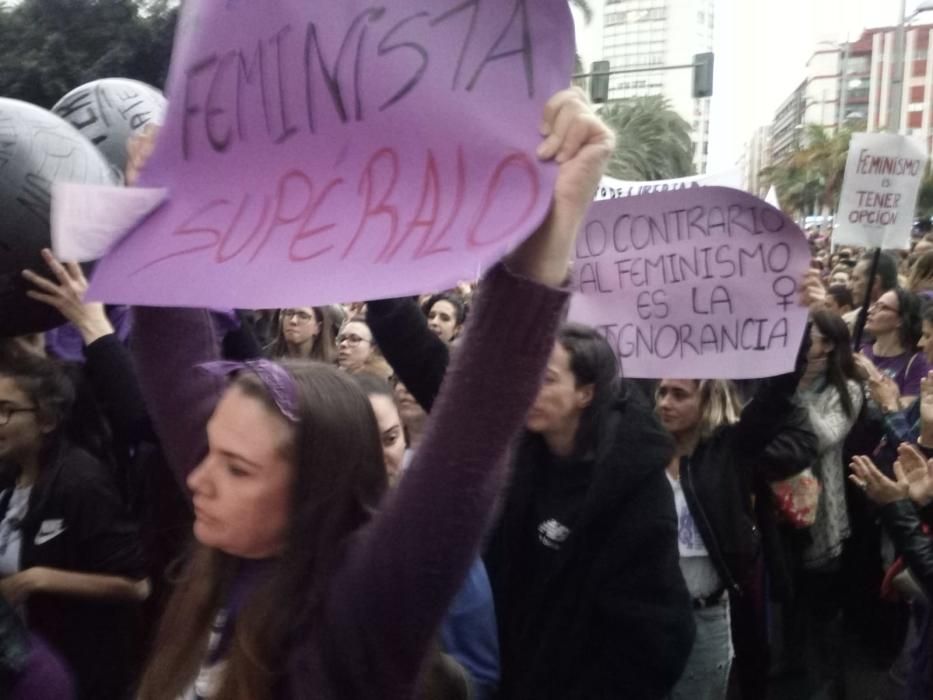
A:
755	158
917	80
856	82
650	34
787	127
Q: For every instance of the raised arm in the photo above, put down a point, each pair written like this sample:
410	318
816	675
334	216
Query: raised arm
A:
109	365
404	569
167	344
772	408
418	357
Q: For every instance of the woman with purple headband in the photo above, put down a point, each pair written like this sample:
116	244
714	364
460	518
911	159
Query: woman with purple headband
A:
304	581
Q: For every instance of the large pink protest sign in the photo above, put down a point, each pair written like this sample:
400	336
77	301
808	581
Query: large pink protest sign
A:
317	152
693	284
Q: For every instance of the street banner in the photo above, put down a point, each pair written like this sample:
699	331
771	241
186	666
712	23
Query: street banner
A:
319	152
879	193
693	284
611	188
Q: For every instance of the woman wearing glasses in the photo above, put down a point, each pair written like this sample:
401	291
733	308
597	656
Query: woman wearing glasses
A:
357	351
68	554
305	582
893	361
305	332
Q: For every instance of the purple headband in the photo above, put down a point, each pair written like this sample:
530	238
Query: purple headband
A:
273	376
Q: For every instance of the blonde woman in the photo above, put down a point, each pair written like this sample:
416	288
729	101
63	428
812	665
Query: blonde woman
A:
719	445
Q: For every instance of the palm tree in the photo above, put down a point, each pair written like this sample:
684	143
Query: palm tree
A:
652	140
925	197
809	180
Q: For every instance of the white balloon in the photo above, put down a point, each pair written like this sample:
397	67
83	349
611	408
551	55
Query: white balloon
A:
109	111
37	148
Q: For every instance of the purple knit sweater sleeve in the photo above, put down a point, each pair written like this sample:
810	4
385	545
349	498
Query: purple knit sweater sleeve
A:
404	568
167	344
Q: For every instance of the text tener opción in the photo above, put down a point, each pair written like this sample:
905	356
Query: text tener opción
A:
297	221
291	62
876	217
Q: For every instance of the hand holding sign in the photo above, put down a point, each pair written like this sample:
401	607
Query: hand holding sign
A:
327	152
579	141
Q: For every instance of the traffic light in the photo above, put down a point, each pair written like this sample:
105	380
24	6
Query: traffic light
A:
599	82
703	75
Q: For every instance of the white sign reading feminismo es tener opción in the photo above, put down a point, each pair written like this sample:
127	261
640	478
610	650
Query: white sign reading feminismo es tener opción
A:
879	193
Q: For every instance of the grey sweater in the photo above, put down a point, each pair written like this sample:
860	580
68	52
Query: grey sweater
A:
403	568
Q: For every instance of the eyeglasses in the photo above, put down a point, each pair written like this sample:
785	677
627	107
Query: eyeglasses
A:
301	316
351	339
878	306
7	411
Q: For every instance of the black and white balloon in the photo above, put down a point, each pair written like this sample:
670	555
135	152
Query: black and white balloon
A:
37	148
109	111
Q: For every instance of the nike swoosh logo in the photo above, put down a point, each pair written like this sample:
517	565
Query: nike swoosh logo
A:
44	537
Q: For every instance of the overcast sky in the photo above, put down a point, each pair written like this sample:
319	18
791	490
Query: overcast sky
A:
761	50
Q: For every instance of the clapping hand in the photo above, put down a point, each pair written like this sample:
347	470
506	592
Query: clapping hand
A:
883	389
926	400
876	485
918	473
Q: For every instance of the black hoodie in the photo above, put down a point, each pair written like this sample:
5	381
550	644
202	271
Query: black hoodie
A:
608	615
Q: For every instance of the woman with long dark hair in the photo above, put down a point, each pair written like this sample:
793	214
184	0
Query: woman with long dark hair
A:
468	634
894	321
305	332
583	561
446	313
68	553
832	393
305	581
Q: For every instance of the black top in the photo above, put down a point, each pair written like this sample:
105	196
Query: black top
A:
905	526
719	477
610	616
77	522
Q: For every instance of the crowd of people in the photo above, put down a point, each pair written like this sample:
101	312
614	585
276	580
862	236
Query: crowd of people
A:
458	497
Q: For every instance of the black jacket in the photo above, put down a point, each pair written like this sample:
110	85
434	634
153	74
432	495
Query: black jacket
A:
719	477
612	619
903	524
792	450
77	521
